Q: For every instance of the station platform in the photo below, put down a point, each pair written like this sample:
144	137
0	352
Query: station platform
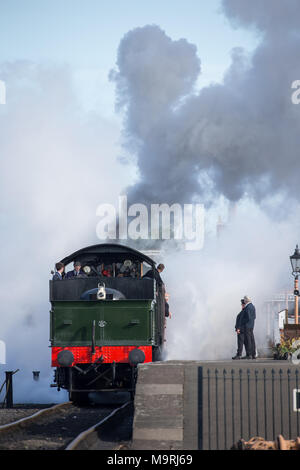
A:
193	405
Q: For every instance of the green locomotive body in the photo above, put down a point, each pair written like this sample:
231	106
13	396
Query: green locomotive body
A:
128	322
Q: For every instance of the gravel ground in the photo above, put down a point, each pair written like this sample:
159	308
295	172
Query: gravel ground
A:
55	431
9	415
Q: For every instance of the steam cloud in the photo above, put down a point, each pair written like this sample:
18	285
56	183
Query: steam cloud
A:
237	138
54	172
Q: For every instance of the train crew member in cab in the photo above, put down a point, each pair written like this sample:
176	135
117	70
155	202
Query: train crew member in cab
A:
107	271
58	276
156	273
241	320
249	336
76	272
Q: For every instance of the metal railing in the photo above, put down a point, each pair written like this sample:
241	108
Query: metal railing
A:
240	403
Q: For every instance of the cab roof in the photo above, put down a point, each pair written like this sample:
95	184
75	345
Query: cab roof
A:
107	250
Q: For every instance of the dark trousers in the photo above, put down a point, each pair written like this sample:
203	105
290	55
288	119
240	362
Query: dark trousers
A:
250	342
240	342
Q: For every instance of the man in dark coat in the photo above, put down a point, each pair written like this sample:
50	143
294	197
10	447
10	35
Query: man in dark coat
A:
76	272
167	310
241	321
58	276
249	336
156	274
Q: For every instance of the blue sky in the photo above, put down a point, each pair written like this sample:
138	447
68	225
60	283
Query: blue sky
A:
86	35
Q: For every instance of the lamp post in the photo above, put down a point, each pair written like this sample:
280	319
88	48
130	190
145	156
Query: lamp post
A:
295	262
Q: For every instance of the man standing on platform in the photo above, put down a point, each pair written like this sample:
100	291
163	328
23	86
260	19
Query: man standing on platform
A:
240	323
249	336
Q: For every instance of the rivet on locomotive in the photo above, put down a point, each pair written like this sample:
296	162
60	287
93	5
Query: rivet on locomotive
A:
105	320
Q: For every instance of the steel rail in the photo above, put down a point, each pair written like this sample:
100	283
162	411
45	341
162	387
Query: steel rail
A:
23	422
88	437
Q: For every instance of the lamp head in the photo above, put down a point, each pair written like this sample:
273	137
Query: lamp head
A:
295	261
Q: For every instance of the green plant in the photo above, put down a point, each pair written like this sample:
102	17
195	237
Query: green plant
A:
284	348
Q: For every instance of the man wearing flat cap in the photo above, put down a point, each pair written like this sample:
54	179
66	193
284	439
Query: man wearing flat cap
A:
250	346
76	272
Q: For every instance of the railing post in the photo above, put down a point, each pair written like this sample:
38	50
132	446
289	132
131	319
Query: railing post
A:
9	389
200	408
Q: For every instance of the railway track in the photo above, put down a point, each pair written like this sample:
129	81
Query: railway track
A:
113	432
66	426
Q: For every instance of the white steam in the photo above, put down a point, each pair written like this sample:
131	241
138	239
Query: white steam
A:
250	257
57	165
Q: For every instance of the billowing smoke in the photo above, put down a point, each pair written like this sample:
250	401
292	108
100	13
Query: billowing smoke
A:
268	16
237	140
154	74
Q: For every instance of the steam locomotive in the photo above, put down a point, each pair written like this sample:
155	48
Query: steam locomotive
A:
105	321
